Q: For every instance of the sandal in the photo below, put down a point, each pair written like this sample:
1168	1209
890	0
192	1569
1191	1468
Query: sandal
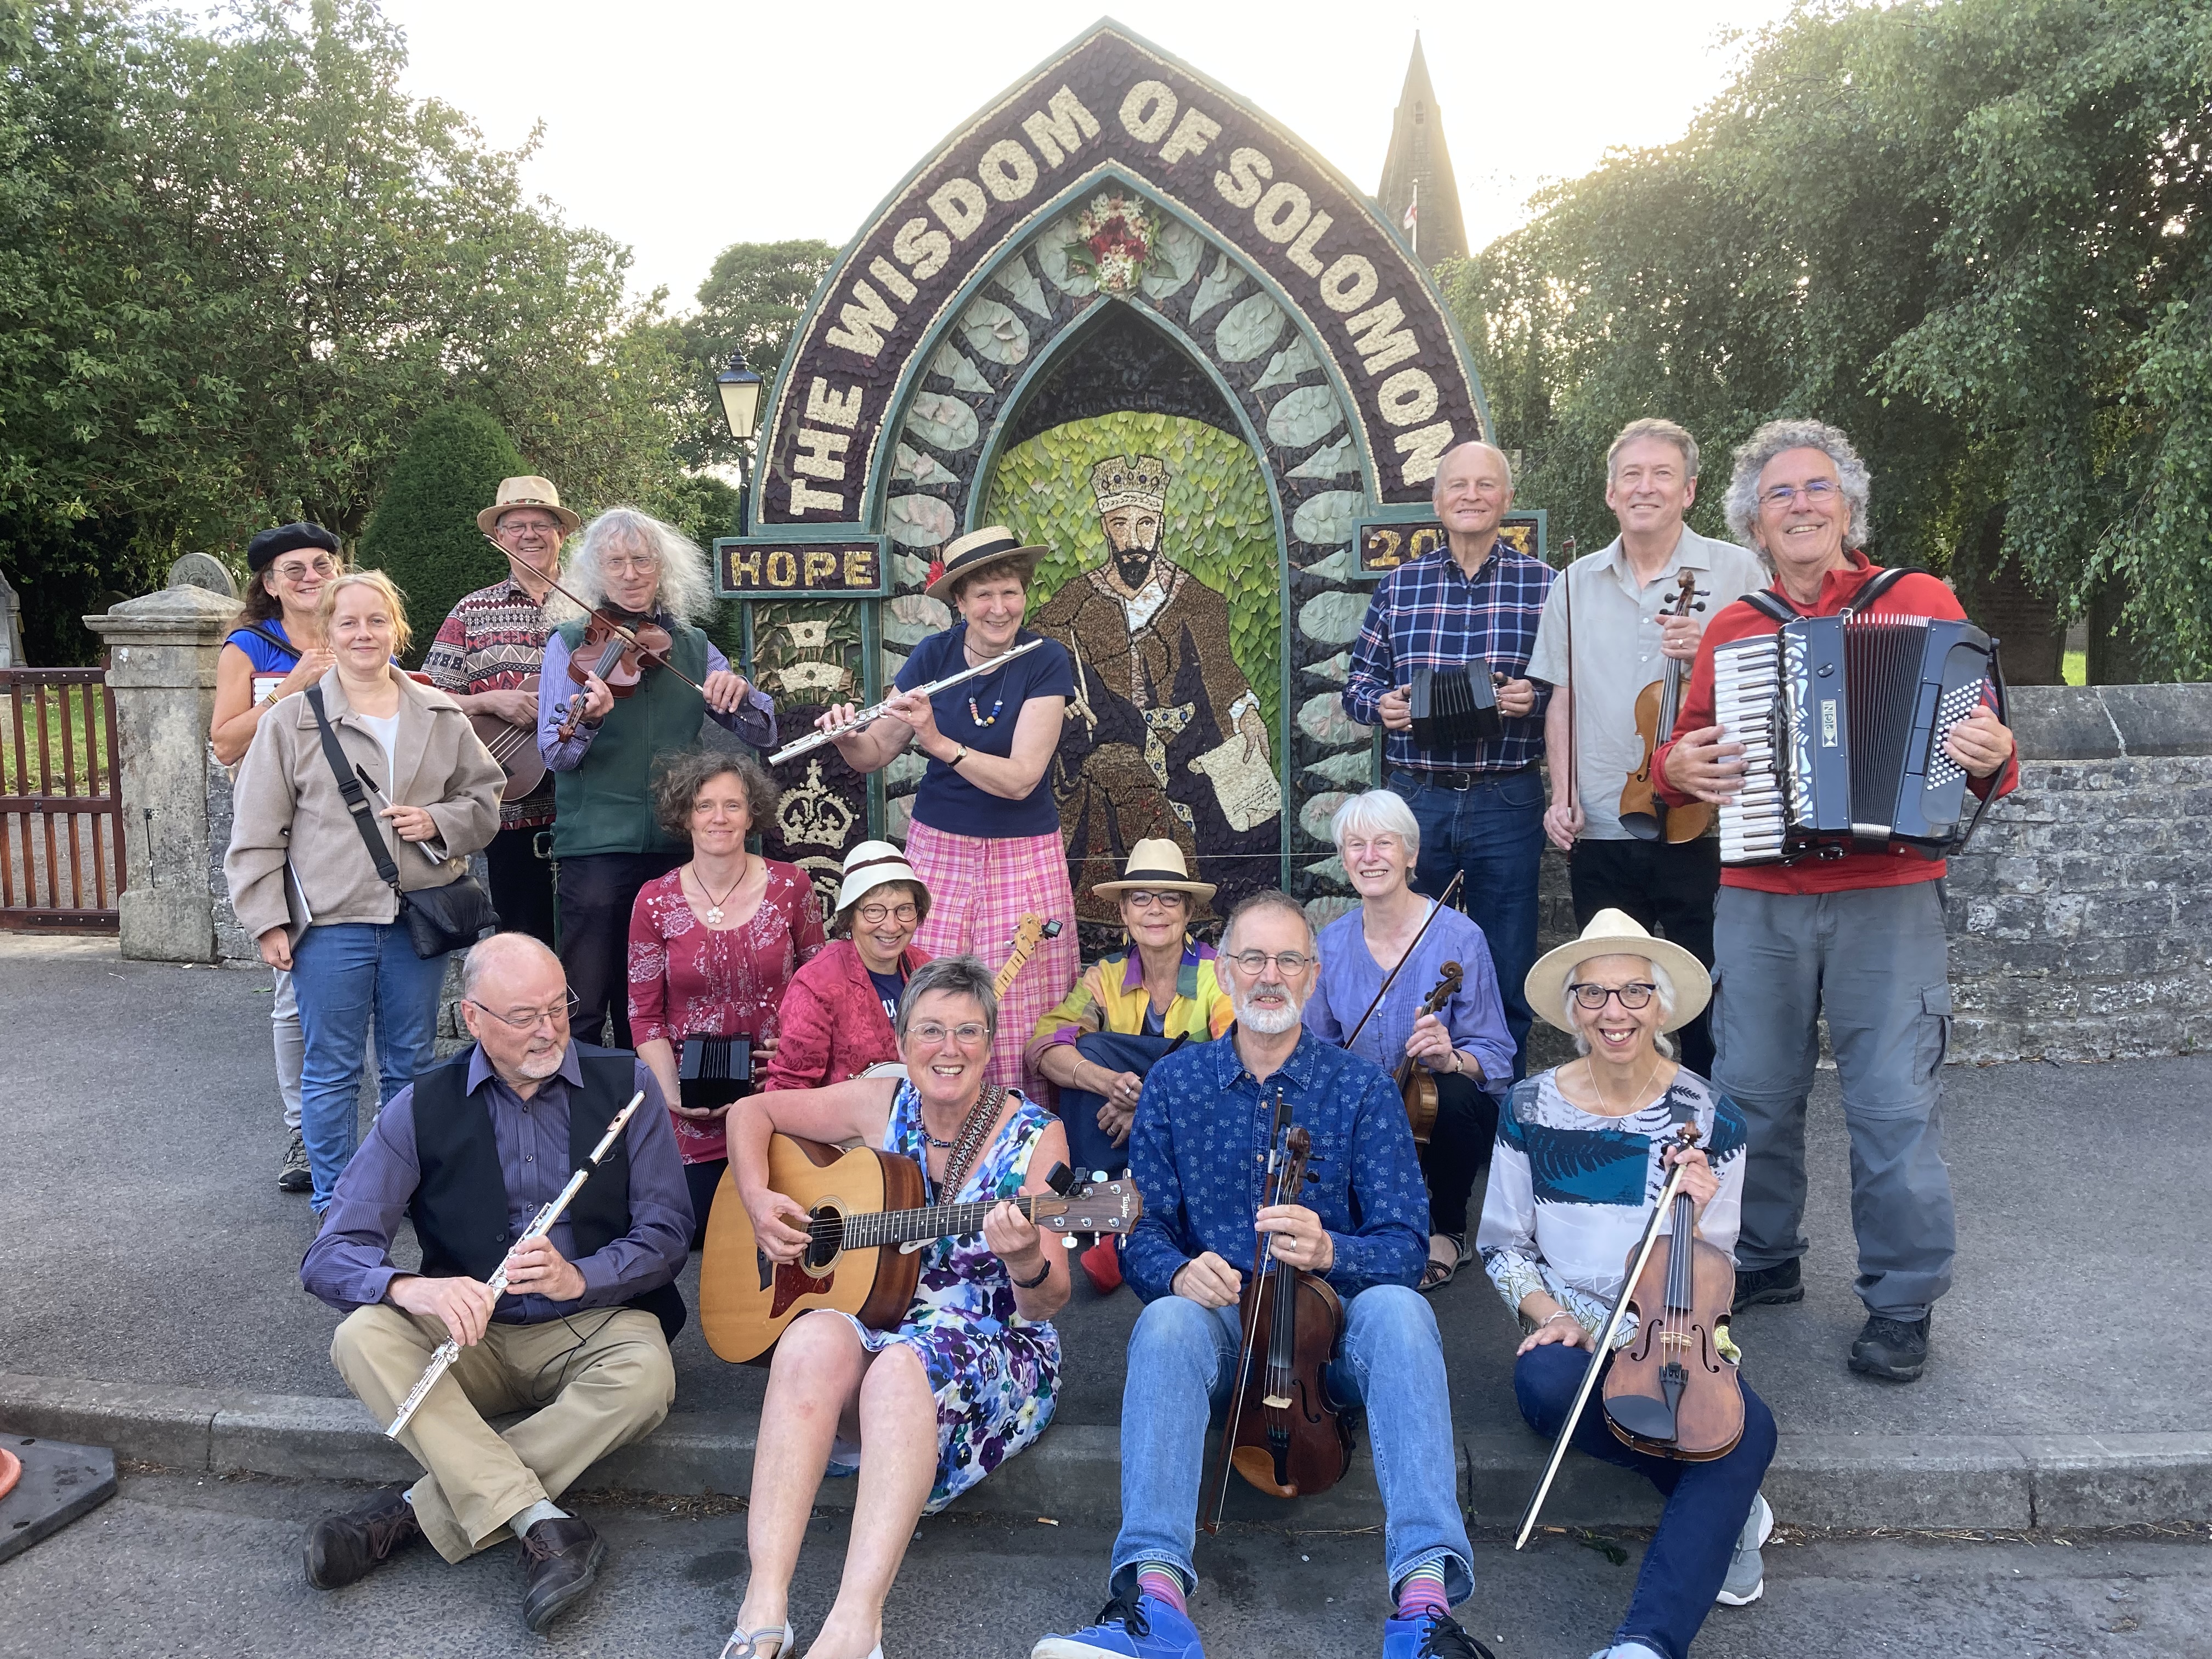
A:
1439	1273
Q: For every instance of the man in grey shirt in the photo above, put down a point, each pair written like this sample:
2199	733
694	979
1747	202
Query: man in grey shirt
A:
1621	644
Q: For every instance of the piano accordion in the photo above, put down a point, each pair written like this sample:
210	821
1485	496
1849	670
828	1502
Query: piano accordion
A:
1843	720
1453	706
714	1071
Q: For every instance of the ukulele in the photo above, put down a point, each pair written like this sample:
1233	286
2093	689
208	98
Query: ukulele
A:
1033	932
867	1224
1643	814
1417	1084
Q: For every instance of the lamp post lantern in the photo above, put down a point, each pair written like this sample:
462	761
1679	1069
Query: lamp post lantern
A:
740	390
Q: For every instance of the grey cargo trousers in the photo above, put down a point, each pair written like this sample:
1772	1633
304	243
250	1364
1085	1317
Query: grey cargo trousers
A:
1875	961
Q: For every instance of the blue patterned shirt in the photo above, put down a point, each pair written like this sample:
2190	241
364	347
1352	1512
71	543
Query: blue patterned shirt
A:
1198	1152
1426	614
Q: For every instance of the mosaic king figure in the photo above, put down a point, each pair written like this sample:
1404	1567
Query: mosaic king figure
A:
1165	736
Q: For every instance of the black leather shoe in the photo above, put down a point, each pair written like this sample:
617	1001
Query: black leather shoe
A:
1777	1283
342	1548
563	1558
1891	1349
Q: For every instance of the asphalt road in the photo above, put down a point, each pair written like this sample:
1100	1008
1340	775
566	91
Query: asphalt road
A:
177	1565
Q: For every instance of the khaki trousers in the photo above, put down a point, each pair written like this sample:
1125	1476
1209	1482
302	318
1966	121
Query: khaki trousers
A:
591	1383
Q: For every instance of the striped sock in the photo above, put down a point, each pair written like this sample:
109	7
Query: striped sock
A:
1422	1591
1164	1583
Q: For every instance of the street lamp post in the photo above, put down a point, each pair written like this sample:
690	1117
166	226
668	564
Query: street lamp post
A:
740	390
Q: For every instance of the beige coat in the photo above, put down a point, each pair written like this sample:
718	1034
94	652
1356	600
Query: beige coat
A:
286	808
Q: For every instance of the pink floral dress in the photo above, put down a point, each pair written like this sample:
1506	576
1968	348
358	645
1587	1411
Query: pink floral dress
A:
687	979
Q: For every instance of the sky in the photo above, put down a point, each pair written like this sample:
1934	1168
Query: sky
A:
680	126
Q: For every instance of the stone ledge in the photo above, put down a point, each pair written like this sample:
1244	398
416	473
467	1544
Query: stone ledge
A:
2111	722
1829	1480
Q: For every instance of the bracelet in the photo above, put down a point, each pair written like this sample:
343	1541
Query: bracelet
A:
1563	1313
1043	1273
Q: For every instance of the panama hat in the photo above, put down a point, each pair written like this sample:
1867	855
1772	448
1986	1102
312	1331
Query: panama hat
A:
1615	933
992	544
1157	866
527	492
870	866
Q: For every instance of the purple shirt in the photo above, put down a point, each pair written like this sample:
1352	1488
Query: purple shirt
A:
1350	976
350	1264
753	720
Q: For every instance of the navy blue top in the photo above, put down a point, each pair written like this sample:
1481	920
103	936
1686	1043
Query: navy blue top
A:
891	987
981	713
265	658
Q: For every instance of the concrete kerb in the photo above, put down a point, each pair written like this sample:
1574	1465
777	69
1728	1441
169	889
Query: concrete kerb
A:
1823	1480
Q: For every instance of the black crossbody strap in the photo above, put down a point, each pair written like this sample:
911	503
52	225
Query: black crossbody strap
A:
356	797
1768	602
261	633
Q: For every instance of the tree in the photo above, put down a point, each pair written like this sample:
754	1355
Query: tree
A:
750	302
423	534
1972	235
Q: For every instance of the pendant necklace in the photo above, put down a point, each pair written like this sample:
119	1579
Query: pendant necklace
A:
1635	1095
715	905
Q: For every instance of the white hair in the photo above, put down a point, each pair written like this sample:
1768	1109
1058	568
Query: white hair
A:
1662	981
1376	810
1753	454
686	590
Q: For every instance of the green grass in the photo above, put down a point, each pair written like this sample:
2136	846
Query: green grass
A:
13	771
2077	669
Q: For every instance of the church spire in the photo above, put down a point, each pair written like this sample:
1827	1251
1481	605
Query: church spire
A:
1416	173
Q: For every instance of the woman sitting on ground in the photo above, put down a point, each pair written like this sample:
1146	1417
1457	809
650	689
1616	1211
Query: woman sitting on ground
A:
968	1378
837	1014
714	942
1583	1152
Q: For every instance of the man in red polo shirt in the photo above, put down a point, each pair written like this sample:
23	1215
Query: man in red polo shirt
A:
1859	938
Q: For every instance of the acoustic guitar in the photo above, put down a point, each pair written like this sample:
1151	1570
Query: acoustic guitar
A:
1033	932
868	1225
514	747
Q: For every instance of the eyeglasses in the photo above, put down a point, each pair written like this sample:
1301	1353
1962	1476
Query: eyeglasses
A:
1145	900
1288	963
1633	995
644	567
1358	847
528	528
559	1012
1816	494
875	916
967	1037
296	572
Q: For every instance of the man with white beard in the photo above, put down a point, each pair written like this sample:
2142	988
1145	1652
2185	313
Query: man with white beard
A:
1200	1150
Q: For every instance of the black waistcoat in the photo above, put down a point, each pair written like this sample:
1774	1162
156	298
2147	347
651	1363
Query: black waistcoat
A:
460	1205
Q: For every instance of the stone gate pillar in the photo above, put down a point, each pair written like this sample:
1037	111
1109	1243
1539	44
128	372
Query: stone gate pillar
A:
160	669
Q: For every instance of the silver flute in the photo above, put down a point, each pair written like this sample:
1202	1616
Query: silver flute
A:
541	1224
816	739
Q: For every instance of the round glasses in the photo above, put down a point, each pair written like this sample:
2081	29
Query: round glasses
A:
1289	964
296	573
1633	995
874	915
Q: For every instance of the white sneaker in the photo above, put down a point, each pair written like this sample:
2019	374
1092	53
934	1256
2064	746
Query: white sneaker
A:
1628	1650
1746	1575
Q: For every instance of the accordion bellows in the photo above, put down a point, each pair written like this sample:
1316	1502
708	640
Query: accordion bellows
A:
1843	720
1453	707
714	1071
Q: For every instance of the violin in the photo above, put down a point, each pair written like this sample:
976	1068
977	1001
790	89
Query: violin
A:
1283	1435
1417	1084
1643	814
1670	1393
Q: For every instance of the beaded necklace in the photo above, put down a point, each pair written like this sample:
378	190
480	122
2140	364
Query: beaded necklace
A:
975	714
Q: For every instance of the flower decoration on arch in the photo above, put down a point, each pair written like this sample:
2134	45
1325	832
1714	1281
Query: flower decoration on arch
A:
1117	242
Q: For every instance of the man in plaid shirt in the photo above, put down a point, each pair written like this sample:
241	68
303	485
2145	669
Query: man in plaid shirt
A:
1479	805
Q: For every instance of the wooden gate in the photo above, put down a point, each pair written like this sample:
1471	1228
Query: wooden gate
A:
61	802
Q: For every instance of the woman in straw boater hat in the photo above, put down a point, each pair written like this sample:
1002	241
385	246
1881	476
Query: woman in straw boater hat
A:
1126	1012
1582	1154
839	1009
985	837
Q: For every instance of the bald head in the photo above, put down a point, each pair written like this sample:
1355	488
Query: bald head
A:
505	959
514	1000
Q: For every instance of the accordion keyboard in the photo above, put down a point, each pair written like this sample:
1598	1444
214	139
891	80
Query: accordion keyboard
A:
1747	698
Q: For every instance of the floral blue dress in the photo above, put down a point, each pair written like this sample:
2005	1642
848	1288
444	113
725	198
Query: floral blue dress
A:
995	1373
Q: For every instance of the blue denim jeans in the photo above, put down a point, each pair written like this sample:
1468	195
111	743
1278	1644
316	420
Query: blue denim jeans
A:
346	974
1494	830
1707	1504
1181	1365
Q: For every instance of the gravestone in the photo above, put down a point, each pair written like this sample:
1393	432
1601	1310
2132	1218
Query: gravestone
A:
203	570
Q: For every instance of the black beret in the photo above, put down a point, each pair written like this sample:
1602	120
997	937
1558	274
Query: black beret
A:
271	545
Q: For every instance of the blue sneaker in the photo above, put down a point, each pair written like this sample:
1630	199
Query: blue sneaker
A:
1432	1635
1133	1625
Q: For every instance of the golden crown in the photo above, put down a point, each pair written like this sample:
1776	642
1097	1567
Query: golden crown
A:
1130	481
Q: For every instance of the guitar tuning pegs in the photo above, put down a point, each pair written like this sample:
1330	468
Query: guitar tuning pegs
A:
1071	1241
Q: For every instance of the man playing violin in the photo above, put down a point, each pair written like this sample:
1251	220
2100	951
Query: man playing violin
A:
1198	1151
1599	658
601	747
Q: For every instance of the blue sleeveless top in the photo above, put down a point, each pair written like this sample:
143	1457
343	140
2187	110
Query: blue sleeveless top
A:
265	658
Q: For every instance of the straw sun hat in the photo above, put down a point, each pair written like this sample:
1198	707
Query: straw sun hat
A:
530	491
990	545
1616	934
1157	866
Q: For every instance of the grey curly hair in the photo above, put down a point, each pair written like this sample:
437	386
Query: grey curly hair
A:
687	592
1753	454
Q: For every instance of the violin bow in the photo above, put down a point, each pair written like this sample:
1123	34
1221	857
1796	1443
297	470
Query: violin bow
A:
1605	1341
1574	778
1248	1341
653	657
1435	909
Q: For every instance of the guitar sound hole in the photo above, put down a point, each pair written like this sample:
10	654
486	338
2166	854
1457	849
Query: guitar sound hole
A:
824	1250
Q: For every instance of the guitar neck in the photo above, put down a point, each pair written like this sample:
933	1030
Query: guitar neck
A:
1010	971
880	1227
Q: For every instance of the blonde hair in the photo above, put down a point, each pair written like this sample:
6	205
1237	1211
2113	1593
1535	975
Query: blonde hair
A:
326	603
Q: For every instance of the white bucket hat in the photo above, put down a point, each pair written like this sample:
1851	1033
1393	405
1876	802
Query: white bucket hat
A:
871	865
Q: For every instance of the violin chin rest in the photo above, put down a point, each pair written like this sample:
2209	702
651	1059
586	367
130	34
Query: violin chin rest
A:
1641	1415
